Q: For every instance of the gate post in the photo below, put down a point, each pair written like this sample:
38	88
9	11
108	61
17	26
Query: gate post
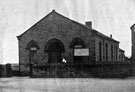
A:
31	70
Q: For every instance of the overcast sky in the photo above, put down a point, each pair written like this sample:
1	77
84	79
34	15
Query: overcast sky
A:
108	16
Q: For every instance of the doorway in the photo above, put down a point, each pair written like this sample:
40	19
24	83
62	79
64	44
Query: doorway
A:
54	48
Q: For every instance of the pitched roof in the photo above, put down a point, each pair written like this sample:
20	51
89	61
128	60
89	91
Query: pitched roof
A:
93	30
35	24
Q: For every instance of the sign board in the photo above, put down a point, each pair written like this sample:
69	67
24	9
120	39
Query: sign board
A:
33	48
81	52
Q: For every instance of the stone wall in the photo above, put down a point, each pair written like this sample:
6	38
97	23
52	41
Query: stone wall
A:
5	70
83	71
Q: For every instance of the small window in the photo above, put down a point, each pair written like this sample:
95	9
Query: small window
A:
116	52
32	45
77	42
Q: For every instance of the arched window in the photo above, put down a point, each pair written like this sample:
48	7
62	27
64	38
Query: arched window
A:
77	42
100	51
32	45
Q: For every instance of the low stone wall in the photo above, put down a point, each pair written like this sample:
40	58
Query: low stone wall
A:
82	70
112	70
5	70
24	70
2	70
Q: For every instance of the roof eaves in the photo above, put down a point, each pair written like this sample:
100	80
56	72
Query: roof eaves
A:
101	34
121	50
19	36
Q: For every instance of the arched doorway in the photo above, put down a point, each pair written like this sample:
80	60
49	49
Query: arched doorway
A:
54	48
32	46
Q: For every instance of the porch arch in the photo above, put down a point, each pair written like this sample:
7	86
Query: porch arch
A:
54	48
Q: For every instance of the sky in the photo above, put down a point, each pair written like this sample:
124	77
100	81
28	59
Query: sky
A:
108	16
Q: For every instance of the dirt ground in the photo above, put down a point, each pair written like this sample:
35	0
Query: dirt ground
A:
26	84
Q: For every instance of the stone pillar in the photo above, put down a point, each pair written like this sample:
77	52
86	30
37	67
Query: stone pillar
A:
8	70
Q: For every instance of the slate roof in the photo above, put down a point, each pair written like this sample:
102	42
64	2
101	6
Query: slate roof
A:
93	30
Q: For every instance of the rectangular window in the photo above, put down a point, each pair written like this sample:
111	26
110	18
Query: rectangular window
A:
100	51
106	52
116	53
111	52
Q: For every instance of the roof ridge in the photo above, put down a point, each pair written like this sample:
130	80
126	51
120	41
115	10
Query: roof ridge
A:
53	11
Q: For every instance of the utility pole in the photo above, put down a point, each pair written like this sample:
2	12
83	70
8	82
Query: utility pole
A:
133	48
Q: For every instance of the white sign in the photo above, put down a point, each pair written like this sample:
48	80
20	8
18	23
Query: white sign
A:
33	48
81	52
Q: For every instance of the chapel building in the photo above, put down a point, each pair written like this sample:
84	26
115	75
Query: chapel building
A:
56	38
